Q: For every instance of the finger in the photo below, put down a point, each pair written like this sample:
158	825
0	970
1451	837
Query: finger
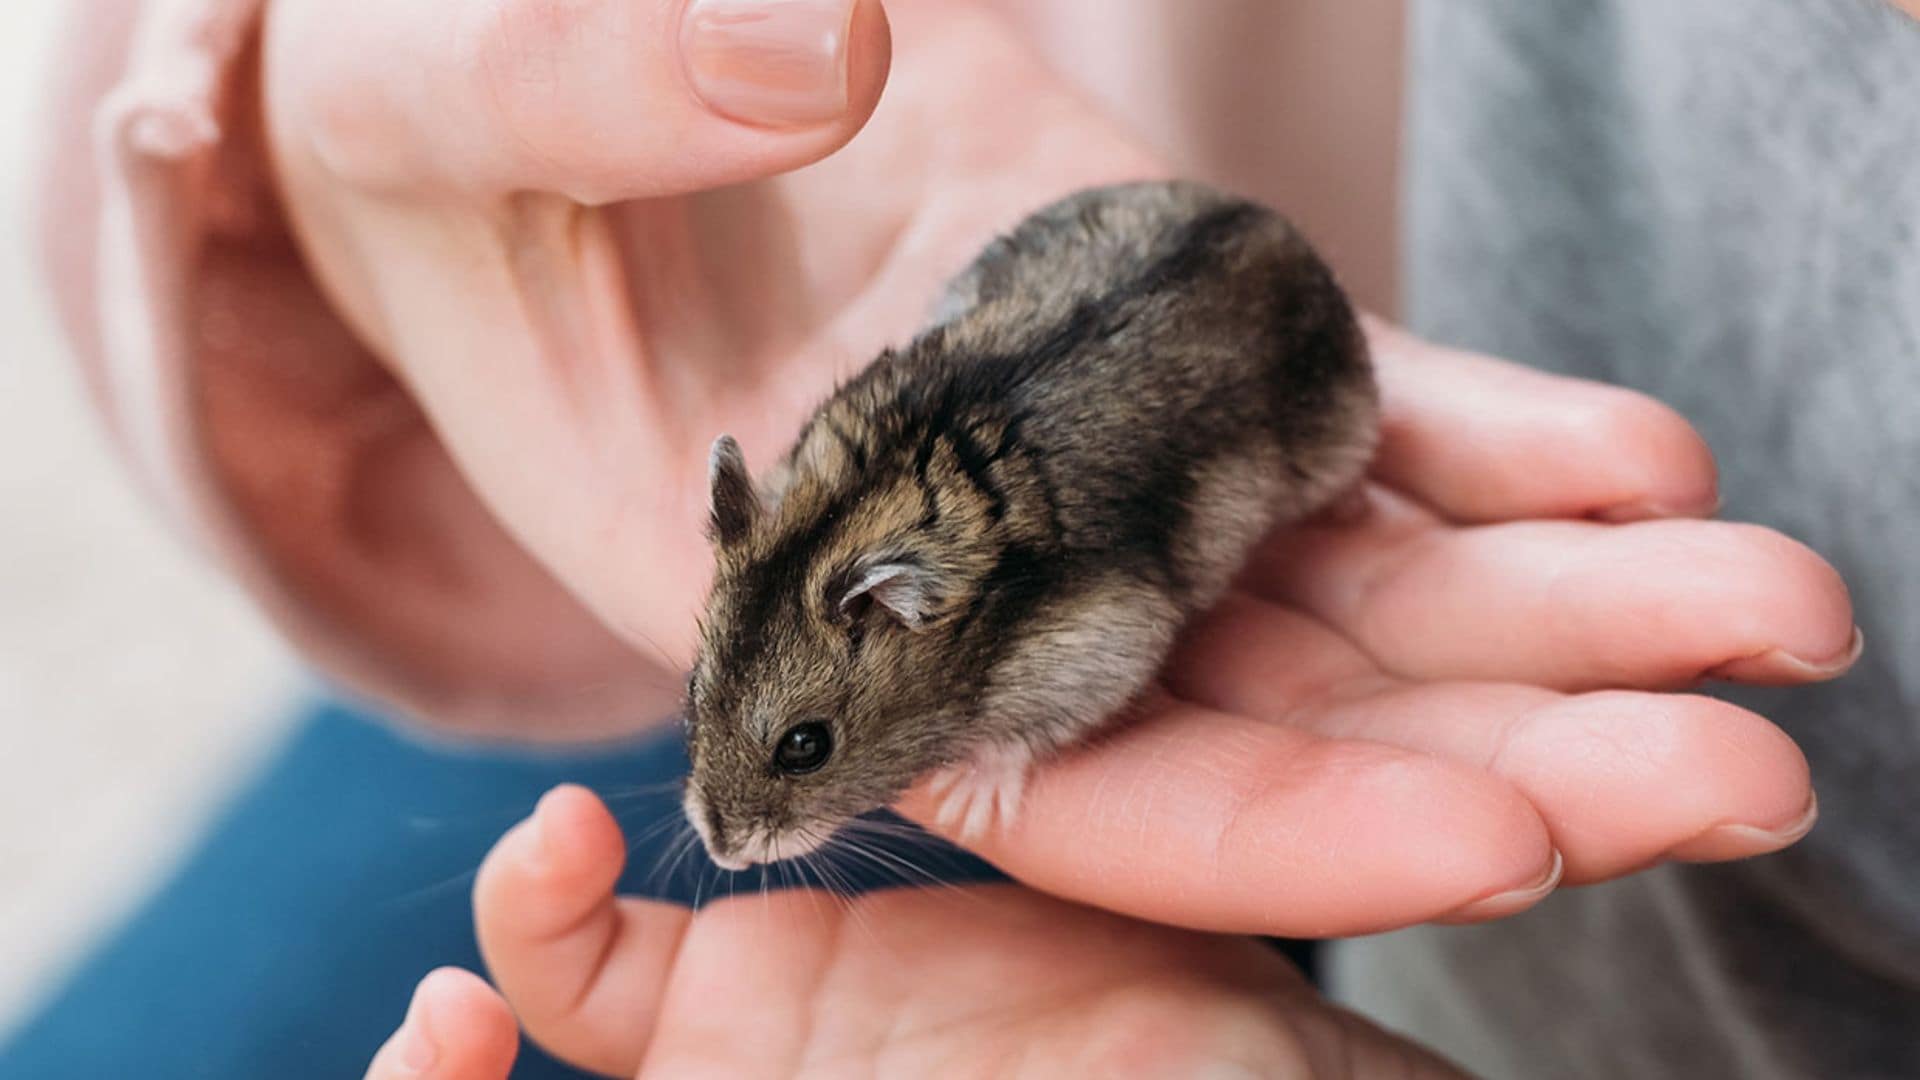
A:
576	364
1571	605
1206	819
1621	779
597	99
1481	439
583	969
457	1028
766	985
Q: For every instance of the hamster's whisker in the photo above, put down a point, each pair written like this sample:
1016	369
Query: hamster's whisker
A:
654	680
807	870
928	877
635	791
705	872
666	662
497	817
820	867
656	870
651	830
840	888
667	850
856	850
431	890
765	906
802	883
854	831
882	827
894	864
670	856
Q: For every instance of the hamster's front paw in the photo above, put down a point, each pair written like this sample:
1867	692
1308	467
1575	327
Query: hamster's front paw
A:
977	794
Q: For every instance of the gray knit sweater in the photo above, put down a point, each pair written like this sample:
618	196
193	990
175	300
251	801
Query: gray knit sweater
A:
1718	202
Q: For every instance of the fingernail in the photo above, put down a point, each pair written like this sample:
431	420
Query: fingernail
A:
1736	841
417	1051
1778	666
1511	901
1654	510
778	63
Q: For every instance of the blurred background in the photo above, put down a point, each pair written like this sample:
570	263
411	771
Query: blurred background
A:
137	687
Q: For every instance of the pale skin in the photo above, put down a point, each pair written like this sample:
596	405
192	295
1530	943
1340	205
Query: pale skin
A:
996	981
1441	708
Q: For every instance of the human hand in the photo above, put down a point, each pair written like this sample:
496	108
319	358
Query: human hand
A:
511	202
986	981
1438	711
1466	696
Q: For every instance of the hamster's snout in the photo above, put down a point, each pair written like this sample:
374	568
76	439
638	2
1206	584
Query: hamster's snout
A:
736	845
711	830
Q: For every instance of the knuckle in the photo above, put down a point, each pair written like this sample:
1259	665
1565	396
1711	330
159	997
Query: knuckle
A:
511	55
1790	566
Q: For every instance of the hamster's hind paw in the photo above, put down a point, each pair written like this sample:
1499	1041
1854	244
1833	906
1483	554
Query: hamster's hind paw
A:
976	795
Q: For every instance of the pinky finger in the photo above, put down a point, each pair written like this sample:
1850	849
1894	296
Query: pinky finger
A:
457	1028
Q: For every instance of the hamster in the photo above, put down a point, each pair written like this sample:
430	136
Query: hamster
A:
983	546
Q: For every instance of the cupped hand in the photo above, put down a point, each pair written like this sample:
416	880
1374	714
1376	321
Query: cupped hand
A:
1440	707
989	981
1470	690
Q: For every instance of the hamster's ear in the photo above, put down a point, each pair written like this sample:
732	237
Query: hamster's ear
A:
733	505
903	590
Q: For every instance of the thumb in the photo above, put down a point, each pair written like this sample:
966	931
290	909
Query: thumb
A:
596	99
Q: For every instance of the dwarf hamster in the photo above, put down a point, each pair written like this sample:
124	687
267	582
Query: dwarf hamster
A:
983	545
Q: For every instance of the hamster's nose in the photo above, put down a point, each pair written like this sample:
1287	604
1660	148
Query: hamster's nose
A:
728	862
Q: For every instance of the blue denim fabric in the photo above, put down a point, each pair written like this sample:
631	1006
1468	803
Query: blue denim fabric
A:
287	944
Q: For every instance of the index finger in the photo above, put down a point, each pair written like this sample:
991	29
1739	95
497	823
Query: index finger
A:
1215	821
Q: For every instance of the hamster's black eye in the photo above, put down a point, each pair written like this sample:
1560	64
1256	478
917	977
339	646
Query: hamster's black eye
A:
803	748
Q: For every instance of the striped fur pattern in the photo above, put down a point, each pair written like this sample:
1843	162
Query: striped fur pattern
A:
983	546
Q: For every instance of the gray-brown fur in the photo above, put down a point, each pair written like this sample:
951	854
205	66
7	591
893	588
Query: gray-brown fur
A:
1117	401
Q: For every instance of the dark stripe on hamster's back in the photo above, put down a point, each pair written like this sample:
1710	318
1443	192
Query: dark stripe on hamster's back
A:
1023	578
992	376
1318	340
1155	510
1199	243
929	397
975	465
